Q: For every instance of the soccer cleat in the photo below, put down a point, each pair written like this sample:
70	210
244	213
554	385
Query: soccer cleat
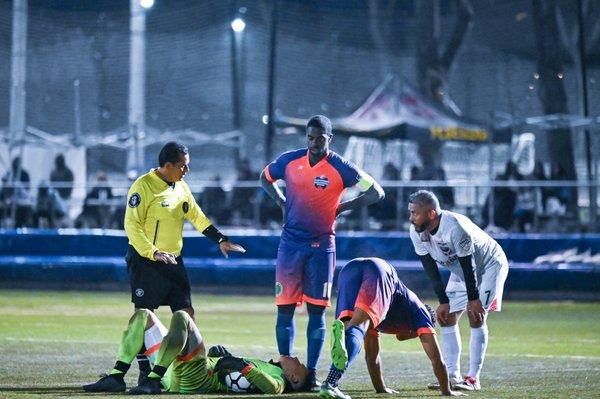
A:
142	377
468	384
311	384
329	391
339	355
453	381
108	383
150	386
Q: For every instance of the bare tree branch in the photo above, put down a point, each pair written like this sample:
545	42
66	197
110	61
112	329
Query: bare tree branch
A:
463	23
380	44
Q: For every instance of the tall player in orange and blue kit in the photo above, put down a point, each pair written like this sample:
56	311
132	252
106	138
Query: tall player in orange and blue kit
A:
316	179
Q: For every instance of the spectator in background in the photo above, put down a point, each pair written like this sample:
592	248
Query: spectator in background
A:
213	201
505	200
118	216
16	185
529	200
243	198
564	197
50	206
539	174
62	175
385	210
96	211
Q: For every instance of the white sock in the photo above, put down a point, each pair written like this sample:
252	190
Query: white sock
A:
451	347
479	340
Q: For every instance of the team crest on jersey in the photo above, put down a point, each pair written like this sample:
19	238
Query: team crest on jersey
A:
134	200
278	288
321	182
139	292
164	204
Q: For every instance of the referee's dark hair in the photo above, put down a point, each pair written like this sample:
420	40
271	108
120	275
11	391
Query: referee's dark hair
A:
171	152
425	198
320	122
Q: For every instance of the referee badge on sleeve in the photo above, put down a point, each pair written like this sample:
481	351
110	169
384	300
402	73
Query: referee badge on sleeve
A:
134	200
186	207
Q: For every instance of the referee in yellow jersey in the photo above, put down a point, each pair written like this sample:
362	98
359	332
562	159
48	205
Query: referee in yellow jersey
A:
157	205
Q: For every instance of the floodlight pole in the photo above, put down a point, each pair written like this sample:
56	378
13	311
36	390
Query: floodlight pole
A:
592	190
137	81
17	122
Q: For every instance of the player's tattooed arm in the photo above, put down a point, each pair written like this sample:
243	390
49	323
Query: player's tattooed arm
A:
272	190
373	194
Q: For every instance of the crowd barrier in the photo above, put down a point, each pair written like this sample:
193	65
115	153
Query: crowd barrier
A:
75	259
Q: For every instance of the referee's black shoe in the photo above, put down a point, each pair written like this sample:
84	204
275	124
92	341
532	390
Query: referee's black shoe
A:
150	386
311	384
108	383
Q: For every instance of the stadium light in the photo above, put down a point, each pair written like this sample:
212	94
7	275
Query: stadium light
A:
147	3
238	25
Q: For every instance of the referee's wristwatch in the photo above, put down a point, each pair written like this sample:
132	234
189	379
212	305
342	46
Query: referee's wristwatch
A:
223	238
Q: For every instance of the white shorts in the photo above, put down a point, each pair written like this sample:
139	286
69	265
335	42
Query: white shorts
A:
491	288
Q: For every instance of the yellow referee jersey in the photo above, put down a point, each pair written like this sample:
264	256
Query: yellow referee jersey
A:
155	214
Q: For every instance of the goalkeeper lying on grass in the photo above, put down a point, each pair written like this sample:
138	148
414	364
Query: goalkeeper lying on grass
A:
182	366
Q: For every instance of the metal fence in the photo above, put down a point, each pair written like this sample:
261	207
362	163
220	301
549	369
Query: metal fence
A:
515	206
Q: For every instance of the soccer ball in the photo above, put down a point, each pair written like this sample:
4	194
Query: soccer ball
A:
236	382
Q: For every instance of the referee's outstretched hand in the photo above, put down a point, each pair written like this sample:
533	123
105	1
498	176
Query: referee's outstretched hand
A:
165	257
227	246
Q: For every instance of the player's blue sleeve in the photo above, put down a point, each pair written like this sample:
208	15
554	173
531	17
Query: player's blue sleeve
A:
350	173
276	169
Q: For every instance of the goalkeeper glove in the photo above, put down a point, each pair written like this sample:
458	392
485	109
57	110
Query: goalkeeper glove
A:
218	351
231	363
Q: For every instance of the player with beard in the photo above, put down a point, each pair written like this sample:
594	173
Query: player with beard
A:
316	179
478	269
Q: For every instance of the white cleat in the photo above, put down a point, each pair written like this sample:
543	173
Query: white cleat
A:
330	392
468	384
454	380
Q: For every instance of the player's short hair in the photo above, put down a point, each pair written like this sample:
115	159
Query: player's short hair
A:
431	313
320	122
425	198
171	152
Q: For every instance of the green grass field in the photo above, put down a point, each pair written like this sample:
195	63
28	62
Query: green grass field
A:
53	342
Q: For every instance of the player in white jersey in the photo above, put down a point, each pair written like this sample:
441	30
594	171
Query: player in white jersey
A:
478	269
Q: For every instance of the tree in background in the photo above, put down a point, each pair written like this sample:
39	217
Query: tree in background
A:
434	60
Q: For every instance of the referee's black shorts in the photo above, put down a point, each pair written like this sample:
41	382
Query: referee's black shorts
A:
156	283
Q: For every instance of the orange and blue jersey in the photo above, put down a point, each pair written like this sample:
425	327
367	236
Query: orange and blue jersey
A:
313	194
372	285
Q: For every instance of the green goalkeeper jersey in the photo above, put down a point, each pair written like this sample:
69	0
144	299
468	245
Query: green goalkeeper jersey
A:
197	376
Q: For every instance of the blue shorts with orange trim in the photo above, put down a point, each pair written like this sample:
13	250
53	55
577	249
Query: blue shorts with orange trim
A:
368	284
303	275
